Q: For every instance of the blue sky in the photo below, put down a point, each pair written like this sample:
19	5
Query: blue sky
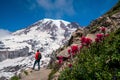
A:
18	14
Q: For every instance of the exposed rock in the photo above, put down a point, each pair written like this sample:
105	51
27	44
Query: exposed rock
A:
12	68
91	36
64	53
75	36
3	78
78	33
14	54
112	23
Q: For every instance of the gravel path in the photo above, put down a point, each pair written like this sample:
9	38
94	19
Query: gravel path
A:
42	74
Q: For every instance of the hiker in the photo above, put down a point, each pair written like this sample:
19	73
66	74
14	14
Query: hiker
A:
37	59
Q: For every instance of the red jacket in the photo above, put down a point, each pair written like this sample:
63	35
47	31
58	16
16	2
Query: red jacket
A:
37	55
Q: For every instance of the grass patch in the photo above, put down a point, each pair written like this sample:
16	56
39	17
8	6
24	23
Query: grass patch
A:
55	68
14	78
25	72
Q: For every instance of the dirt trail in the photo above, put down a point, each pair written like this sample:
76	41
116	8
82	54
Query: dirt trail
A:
42	74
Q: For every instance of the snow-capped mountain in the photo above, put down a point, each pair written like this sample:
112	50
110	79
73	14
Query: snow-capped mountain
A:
46	35
42	33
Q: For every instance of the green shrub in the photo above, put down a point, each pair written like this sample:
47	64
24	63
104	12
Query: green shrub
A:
14	78
99	62
55	68
25	72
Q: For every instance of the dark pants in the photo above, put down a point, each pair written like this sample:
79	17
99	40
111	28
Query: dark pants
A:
37	61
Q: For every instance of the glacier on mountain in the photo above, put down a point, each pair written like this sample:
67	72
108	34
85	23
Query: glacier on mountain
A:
46	35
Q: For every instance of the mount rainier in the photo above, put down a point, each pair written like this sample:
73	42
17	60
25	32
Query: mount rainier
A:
46	35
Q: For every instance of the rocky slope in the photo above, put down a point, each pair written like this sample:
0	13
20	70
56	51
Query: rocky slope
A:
110	20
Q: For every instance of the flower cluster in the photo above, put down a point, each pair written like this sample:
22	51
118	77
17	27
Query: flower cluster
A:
101	36
80	47
60	60
70	65
103	29
69	51
85	41
106	35
73	50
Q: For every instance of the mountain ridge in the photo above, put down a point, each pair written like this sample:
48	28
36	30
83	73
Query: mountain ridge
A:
46	35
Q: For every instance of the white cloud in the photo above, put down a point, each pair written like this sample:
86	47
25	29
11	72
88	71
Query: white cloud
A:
46	4
58	8
4	33
28	4
52	8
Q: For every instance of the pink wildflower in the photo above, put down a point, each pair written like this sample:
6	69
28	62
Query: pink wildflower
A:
69	65
60	57
106	35
103	29
81	47
97	40
74	49
88	41
60	61
100	36
69	51
83	40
